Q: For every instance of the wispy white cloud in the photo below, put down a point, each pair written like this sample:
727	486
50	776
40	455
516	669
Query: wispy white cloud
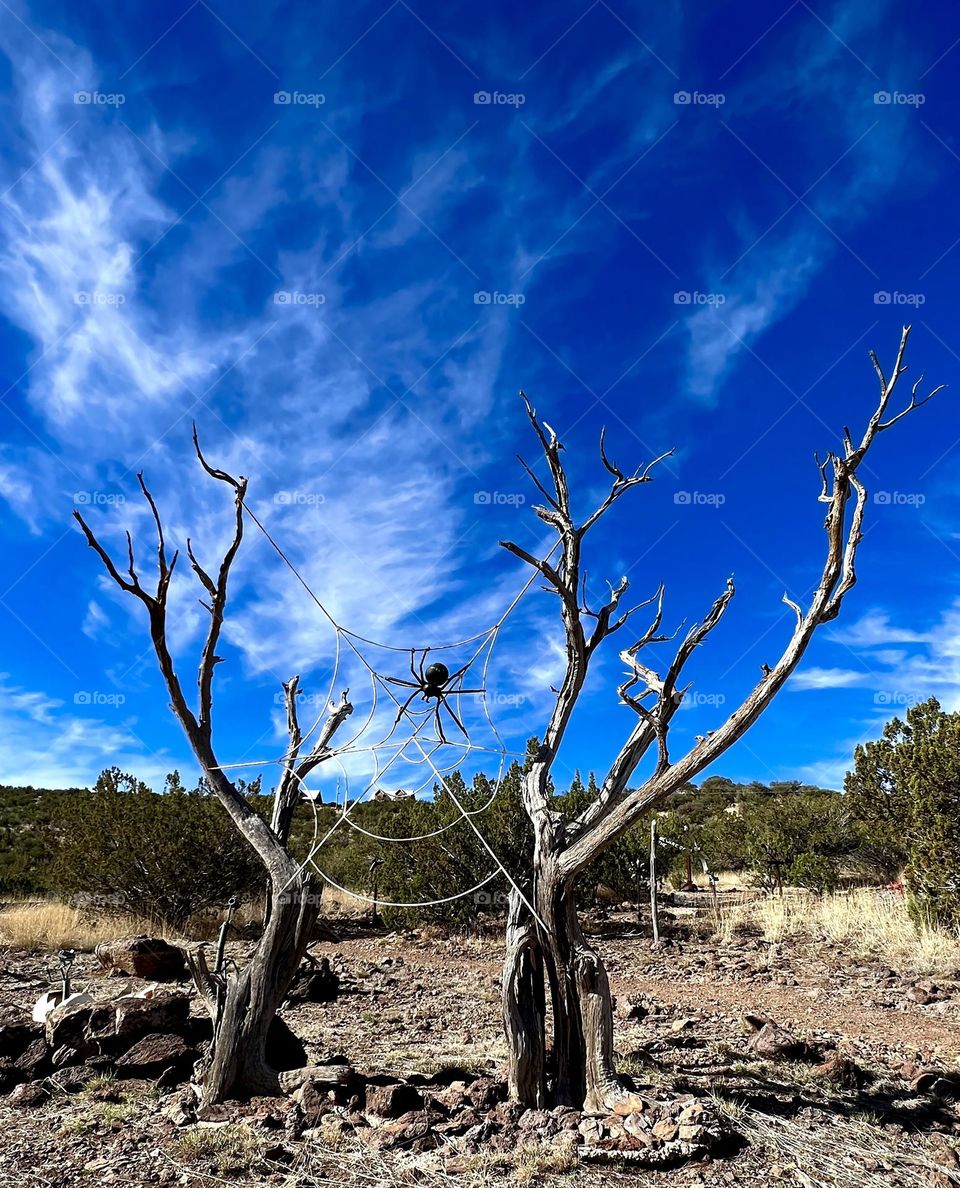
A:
786	244
828	678
353	416
44	744
875	630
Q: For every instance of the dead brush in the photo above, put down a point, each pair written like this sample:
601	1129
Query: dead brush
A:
350	1163
849	1154
48	925
867	922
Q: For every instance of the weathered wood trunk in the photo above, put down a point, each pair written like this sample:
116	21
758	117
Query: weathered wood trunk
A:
579	1070
244	1002
524	1006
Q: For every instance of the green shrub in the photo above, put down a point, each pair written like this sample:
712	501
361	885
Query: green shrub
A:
906	787
169	856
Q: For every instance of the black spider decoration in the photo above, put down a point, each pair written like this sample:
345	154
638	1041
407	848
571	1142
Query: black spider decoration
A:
435	681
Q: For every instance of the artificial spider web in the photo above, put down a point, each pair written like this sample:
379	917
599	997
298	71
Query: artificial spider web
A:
398	735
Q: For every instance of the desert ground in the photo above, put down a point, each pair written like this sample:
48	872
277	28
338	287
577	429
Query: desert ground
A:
851	1081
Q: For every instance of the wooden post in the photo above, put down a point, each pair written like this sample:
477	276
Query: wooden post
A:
375	865
654	907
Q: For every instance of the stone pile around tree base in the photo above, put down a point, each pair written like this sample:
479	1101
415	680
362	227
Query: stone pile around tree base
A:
456	1113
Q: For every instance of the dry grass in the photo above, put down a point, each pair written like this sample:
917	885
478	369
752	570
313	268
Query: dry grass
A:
338	1159
48	925
336	902
224	1150
351	1163
870	923
850	1154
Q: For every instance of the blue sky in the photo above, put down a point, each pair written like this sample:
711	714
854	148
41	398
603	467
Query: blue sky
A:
341	239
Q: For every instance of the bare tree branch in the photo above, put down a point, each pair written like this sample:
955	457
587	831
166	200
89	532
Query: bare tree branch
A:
617	807
197	727
566	579
296	770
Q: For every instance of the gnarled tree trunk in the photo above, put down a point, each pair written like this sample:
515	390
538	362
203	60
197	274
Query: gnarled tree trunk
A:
244	1002
577	1069
545	944
524	1006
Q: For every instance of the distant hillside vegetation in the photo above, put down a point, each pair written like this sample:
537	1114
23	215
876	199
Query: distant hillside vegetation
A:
177	852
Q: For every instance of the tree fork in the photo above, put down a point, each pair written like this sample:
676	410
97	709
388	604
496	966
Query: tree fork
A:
583	1070
242	1003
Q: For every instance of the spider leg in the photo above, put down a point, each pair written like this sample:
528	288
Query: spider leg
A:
459	724
436	715
454	676
403	708
401	681
413	671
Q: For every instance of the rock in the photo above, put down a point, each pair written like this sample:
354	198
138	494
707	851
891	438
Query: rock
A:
180	1108
150	958
665	1129
34	1059
630	1007
839	1069
943	1151
314	982
30	1095
484	1092
770	1041
461	1122
392	1101
155	1055
314	1100
541	1122
452	1097
664	1134
924	1080
407	1131
66	1057
628	1103
933	1080
10	1075
17	1029
591	1132
638	1127
71	1079
924	992
507	1113
327	1075
135	1017
68	1025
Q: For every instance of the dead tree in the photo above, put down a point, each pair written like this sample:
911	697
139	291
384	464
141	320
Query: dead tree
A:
242	1001
547	952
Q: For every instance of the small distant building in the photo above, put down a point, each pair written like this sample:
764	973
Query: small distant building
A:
382	795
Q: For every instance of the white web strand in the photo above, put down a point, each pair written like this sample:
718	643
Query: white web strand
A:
488	638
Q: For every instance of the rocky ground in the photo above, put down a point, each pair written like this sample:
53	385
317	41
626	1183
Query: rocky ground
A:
752	1063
